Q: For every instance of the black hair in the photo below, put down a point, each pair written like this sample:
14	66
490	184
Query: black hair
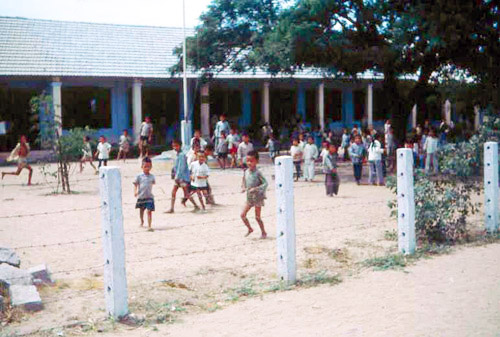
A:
102	136
146	160
175	141
254	154
87	138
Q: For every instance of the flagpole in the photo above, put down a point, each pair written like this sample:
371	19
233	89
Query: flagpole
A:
185	124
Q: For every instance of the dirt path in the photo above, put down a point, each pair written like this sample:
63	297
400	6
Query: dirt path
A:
451	295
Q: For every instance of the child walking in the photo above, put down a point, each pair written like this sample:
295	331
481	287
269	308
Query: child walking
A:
311	153
296	153
255	185
181	176
222	150
124	146
87	154
20	154
102	153
273	147
143	191
430	148
146	135
375	152
332	180
244	148
346	140
199	178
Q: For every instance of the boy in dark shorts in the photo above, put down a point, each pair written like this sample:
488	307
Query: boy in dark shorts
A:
222	150
143	190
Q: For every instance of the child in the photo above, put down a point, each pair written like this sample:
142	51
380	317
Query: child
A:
346	140
124	146
243	149
324	150
430	148
273	147
20	153
375	160
332	180
356	151
87	154
233	141
302	142
310	155
255	185
197	139
146	134
296	153
199	176
181	176
143	191
102	153
192	153
222	150
222	126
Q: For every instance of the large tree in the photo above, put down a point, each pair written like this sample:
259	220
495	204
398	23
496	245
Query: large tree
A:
347	37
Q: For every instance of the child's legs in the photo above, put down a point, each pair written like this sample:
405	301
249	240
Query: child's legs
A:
188	196
258	211
372	172
244	216
435	164
200	197
150	217
428	163
380	173
100	163
141	215
105	162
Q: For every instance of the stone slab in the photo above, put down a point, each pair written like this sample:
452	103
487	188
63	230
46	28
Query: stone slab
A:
14	276
40	274
26	297
9	256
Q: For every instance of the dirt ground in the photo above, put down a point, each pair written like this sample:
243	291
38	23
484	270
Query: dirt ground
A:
194	263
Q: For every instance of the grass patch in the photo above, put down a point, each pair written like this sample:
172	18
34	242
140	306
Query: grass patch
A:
321	277
341	255
391	235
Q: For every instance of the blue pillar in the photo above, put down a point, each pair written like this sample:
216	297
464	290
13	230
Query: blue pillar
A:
301	102
190	92
120	118
347	107
246	108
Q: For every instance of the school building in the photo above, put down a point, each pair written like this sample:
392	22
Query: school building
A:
110	76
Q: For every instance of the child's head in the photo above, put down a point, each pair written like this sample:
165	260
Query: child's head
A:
23	139
125	132
146	165
344	130
176	145
245	137
271	135
86	138
325	144
102	139
222	117
301	136
197	133
147	119
357	139
432	133
295	142
355	126
202	158
332	148
209	150
252	159
310	140
223	135
233	131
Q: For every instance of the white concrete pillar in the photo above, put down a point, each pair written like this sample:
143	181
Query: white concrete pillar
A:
321	105
186	133
136	109
477	117
491	186
406	202
205	110
447	111
285	224
113	243
57	105
369	105
414	117
266	110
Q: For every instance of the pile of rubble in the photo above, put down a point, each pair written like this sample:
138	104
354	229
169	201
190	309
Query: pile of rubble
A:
20	285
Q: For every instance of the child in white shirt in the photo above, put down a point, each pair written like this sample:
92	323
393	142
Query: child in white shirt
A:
199	178
296	153
102	153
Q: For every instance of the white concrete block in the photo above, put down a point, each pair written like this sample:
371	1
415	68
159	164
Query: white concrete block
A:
25	296
9	256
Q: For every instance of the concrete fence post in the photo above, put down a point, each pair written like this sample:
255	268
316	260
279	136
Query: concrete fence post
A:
285	237
491	186
115	277
406	202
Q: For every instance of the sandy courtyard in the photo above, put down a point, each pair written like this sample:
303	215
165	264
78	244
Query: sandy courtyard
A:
192	263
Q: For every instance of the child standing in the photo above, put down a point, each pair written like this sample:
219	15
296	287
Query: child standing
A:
222	150
273	147
124	146
181	176
356	151
199	178
20	154
146	135
375	151
255	185
233	141
197	139
296	153
332	180
430	147
102	153
143	191
87	154
346	140
244	148
310	155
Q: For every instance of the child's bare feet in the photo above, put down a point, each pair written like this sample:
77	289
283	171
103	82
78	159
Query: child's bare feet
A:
250	231
150	229
183	202
196	209
170	211
3	175
142	224
263	236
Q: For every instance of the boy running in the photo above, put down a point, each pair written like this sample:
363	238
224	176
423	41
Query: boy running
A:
87	154
199	178
124	146
146	135
255	185
244	148
143	190
181	176
102	153
20	154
